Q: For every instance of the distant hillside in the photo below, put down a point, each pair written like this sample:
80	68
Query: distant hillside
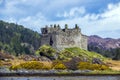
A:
16	39
106	46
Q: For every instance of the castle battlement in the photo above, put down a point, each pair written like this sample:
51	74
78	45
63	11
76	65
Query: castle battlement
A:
58	29
63	38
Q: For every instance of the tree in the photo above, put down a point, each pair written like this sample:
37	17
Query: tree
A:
13	35
66	26
55	26
76	26
117	52
58	26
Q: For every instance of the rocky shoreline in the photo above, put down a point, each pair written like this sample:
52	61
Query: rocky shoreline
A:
7	70
22	72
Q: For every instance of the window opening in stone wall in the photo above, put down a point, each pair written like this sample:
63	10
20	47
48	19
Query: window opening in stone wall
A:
51	41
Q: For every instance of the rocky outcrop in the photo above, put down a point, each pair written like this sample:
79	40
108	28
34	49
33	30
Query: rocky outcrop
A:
97	61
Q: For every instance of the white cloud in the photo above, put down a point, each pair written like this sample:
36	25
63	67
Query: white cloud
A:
113	10
10	8
74	12
91	24
21	7
33	22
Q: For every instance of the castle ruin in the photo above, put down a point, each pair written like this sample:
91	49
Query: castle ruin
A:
63	38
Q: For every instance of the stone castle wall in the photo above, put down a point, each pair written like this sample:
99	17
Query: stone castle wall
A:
63	38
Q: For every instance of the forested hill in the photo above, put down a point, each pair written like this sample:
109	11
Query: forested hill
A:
15	39
108	47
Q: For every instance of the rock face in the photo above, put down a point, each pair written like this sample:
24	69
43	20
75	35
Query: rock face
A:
72	64
63	38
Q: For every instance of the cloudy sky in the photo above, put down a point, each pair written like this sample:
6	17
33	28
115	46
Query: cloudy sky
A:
94	17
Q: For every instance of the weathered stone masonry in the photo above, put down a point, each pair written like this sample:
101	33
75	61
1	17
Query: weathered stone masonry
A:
63	38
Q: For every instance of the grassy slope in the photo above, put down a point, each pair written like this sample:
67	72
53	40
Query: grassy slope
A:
77	52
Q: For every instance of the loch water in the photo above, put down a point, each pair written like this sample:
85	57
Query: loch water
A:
63	78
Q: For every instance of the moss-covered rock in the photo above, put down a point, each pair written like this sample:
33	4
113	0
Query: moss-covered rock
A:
47	51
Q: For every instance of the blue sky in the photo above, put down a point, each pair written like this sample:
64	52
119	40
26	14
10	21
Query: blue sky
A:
95	17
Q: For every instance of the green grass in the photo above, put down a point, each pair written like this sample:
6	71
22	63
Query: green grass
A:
68	53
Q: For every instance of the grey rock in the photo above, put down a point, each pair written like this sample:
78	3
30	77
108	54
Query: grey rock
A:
97	61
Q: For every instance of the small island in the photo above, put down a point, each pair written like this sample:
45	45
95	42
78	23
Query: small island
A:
62	52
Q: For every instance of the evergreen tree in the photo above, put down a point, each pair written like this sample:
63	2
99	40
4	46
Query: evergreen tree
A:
13	37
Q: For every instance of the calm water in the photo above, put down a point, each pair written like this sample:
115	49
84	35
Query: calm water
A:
64	78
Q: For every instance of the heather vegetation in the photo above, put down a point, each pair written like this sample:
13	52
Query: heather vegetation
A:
28	65
57	65
89	66
68	59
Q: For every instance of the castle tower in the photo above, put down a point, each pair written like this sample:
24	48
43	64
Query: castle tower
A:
63	38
